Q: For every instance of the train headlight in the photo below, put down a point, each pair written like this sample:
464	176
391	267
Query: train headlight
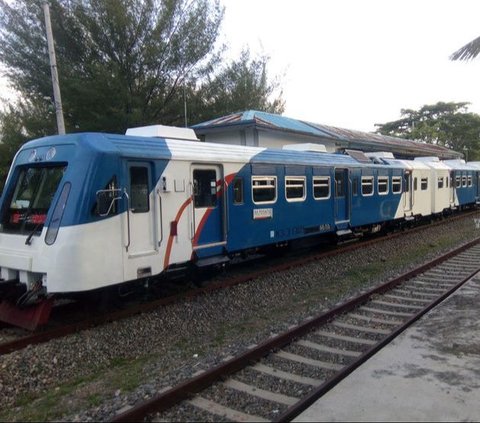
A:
32	156
50	153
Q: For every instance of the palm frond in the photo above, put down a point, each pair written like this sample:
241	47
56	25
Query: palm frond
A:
468	51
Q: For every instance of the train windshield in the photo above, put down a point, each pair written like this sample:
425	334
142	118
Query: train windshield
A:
32	197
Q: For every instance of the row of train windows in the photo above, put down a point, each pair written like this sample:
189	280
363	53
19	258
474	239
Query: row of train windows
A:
464	181
264	188
460	181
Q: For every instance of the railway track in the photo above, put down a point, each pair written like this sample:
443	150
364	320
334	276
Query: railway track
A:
16	340
276	380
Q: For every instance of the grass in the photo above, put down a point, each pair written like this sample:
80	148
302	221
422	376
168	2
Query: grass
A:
125	375
79	394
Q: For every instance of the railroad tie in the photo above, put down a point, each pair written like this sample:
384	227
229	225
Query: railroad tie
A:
324	348
270	371
417	291
386	303
386	312
374	319
402	298
220	410
345	338
361	328
260	393
433	291
309	361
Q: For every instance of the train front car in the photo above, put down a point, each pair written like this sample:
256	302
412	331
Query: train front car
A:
47	226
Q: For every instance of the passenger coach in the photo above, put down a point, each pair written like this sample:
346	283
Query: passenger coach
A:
81	212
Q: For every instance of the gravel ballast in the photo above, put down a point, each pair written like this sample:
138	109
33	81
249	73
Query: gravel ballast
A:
92	375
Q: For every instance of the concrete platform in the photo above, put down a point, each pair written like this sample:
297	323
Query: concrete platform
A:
431	372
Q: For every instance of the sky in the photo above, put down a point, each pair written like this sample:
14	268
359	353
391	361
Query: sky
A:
351	63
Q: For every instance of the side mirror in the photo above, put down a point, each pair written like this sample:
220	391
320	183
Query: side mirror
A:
106	199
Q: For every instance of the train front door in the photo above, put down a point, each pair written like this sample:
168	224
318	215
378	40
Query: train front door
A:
208	210
140	225
342	203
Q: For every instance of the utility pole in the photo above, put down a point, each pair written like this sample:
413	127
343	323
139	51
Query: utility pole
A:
53	67
185	104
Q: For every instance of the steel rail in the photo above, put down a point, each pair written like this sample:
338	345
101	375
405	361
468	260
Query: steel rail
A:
187	389
68	329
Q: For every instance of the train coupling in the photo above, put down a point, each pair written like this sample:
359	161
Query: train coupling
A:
30	317
29	311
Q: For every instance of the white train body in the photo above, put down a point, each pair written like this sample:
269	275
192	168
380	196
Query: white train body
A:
86	211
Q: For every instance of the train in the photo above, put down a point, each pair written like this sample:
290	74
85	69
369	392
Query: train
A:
88	211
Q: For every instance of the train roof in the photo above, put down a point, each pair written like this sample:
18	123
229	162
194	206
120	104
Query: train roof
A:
460	165
407	164
433	162
475	165
141	147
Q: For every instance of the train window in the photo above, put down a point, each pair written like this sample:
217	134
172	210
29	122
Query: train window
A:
382	185
53	228
238	191
355	186
464	181
340	183
110	194
424	184
264	189
294	188
321	187
31	200
367	185
446	181
396	184
205	188
139	201
415	184
440	183
469	178
407	183
458	182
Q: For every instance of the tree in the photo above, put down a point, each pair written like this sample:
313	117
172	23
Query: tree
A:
468	51
121	61
242	85
446	124
17	125
124	63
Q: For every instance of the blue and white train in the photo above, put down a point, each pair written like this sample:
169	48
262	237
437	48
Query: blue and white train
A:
86	211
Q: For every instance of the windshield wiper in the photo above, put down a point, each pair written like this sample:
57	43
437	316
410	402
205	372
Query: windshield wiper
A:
28	241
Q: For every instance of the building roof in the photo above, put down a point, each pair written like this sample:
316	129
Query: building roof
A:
346	138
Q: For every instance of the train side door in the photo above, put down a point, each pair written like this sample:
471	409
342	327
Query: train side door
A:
478	184
408	199
208	209
452	188
342	204
140	226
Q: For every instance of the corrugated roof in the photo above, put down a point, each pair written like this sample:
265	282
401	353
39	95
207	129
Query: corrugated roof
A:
262	119
347	137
